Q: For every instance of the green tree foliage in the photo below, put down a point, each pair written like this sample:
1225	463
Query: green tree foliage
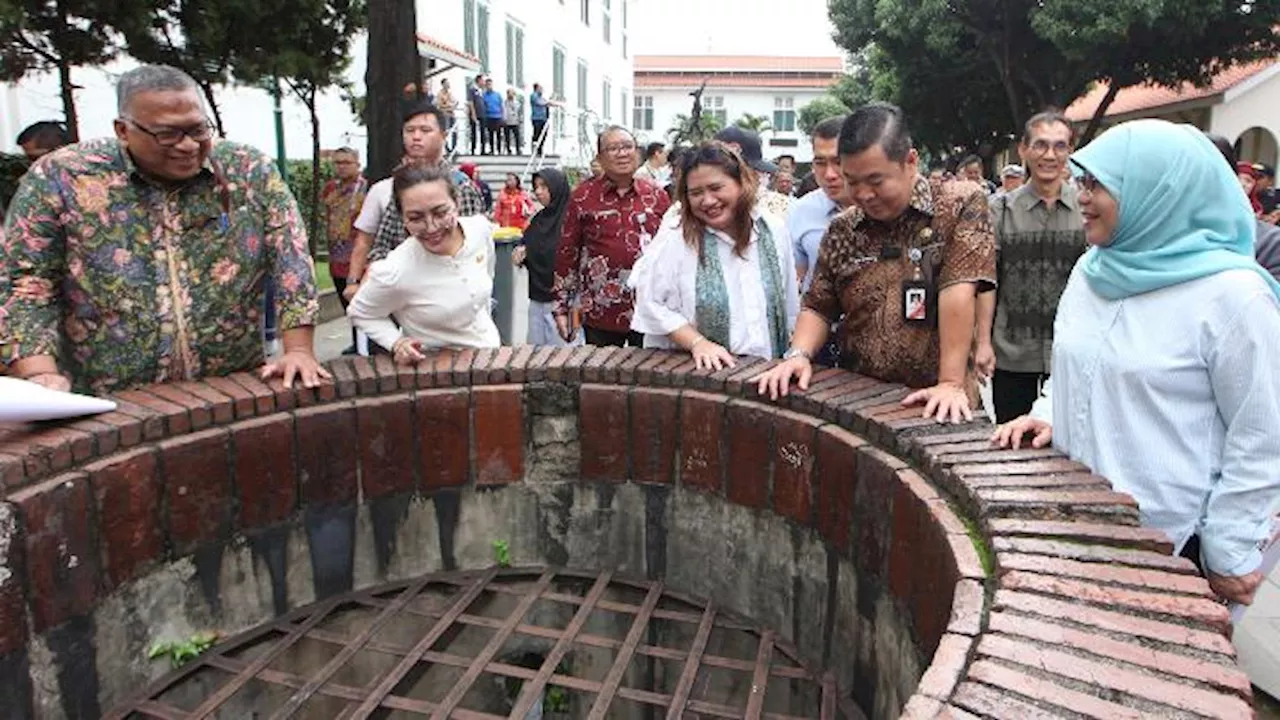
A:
54	36
983	66
755	123
817	110
198	37
684	133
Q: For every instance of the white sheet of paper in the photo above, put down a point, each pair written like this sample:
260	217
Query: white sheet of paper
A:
22	401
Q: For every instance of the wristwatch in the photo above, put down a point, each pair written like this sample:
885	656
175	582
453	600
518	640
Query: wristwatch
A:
797	352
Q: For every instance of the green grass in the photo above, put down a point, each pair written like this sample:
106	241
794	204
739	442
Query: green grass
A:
324	281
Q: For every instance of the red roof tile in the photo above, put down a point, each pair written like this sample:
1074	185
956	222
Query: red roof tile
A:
1138	98
739	63
435	44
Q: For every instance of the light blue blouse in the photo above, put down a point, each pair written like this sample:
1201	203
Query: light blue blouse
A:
1174	396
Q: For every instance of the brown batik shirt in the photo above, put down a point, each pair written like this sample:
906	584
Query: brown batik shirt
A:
863	263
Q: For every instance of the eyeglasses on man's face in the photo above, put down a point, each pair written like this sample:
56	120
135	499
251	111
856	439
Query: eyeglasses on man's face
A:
1041	147
170	136
620	148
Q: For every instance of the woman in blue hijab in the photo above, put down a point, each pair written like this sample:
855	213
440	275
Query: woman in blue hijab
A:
1166	364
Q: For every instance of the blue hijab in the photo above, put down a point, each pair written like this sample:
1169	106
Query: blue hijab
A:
1183	214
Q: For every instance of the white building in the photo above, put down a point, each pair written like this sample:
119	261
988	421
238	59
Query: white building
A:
760	85
579	50
1242	104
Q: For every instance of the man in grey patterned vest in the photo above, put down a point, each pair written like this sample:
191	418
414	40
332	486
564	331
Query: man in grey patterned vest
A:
1039	237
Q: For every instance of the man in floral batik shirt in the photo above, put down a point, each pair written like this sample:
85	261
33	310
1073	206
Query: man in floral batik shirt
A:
141	258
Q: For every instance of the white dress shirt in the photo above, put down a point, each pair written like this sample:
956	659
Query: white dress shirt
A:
1174	396
665	279
442	301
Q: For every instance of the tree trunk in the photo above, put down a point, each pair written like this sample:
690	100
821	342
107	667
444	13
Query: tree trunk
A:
393	63
68	100
207	89
1096	121
314	231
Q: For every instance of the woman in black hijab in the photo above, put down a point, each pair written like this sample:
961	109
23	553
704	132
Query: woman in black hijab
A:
537	254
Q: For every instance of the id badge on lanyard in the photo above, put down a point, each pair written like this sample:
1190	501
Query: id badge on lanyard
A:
919	296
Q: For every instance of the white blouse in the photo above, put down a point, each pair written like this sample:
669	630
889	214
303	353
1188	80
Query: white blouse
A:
665	280
1174	396
442	301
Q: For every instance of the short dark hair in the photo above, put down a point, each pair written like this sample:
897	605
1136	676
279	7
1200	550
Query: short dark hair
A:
422	107
652	149
414	174
46	134
606	131
1224	146
829	129
786	156
969	160
1050	116
876	123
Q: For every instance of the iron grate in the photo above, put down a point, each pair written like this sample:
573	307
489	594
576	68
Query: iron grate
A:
494	605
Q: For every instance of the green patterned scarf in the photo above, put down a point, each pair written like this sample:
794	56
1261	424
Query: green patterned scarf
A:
712	296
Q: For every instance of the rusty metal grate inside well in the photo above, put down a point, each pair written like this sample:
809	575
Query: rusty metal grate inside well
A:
515	643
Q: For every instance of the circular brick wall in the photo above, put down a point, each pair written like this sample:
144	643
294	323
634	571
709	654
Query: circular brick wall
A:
834	516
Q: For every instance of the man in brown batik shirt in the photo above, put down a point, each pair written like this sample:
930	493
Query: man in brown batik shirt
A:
904	265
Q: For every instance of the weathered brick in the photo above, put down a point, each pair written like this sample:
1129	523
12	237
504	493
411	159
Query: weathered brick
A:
701	440
242	401
366	376
572	369
444	437
951	712
965	555
921	707
197	489
480	366
1070	481
718	380
877	483
1113	620
536	371
1189	609
176	418
603	416
750	445
1112	535
1054	466
151	422
739	383
463	359
388	458
12	473
644	371
344	377
634	357
498	366
654	433
1102	573
266	470
1095	554
1076	505
1046	692
596	367
1219	675
264	398
60	558
967	602
442	368
1113	678
327	465
997	705
498	429
516	368
13	602
200	411
996	455
126	491
221	405
947	668
795	439
671	373
128	430
388	373
838	471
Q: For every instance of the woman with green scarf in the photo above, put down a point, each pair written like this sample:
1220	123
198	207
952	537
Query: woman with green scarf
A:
1166	358
721	281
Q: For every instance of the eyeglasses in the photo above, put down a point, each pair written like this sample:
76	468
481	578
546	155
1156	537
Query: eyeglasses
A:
170	136
620	148
1041	147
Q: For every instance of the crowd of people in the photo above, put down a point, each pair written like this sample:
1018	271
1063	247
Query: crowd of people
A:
1113	296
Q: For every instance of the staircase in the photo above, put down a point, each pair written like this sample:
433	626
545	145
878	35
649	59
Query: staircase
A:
493	169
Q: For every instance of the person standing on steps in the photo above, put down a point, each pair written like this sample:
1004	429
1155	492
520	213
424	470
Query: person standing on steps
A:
380	227
610	220
493	116
513	122
476	116
539	114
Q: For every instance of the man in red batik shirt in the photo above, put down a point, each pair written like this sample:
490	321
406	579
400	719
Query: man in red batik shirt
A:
609	221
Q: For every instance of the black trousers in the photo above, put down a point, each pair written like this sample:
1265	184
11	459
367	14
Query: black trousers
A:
511	139
1013	393
477	136
340	285
538	138
601	338
493	131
